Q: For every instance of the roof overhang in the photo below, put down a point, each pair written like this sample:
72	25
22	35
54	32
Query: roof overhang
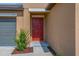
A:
39	13
50	6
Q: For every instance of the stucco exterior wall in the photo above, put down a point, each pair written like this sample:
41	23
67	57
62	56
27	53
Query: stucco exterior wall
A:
26	18
19	24
35	5
23	22
26	22
77	29
60	28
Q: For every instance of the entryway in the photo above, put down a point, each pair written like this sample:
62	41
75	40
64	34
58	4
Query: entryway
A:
37	28
7	31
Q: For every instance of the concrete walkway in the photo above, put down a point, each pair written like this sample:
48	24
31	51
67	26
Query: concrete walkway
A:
38	50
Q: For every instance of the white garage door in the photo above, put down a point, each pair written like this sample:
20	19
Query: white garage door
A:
7	31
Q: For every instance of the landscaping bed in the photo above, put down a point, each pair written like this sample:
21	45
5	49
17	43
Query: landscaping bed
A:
27	50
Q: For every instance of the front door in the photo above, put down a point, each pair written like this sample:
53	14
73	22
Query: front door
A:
37	28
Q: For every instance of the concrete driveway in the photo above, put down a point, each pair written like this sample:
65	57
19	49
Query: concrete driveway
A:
38	50
6	50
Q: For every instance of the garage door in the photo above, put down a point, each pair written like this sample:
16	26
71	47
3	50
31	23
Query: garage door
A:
7	31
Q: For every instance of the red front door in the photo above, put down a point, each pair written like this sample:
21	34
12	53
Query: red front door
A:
37	29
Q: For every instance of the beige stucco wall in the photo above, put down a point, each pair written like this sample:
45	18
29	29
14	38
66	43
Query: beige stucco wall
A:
26	17
60	28
23	22
77	29
35	5
19	24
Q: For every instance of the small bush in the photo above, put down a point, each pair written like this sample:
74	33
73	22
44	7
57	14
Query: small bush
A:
22	40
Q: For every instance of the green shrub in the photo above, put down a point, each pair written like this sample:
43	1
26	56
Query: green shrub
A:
22	40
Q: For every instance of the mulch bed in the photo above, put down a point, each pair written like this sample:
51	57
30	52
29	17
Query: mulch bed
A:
27	50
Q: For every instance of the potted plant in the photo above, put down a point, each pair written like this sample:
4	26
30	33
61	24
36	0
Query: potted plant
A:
22	43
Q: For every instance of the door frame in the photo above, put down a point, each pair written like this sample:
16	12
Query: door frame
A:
43	25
